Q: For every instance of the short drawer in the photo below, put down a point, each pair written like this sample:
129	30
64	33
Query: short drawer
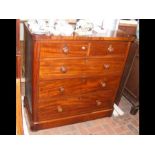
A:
104	66
76	86
62	50
65	107
104	48
61	68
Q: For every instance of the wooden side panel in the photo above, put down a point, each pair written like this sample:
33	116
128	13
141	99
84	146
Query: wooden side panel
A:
28	68
31	74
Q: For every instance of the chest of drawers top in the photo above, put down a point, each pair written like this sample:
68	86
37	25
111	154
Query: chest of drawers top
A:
117	35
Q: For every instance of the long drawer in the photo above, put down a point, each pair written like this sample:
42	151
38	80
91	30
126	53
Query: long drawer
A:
63	49
64	107
75	86
65	68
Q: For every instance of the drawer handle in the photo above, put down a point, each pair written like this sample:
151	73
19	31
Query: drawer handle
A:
106	66
110	48
98	103
63	69
83	48
59	108
65	49
103	84
61	89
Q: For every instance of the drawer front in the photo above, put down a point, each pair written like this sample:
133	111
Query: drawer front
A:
104	66
55	69
108	48
65	107
68	68
61	50
76	86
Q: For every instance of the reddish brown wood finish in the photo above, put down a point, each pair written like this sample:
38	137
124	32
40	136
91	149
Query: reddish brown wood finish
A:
65	68
63	49
128	28
104	66
71	119
19	117
112	48
54	69
72	79
100	100
18	65
75	86
17	35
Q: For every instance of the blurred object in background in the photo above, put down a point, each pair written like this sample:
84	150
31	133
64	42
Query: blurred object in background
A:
50	27
97	22
110	24
137	31
128	26
84	27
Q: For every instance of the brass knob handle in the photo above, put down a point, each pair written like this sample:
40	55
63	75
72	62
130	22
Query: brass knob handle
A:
63	69
110	48
61	89
59	108
83	48
98	103
106	66
65	49
103	84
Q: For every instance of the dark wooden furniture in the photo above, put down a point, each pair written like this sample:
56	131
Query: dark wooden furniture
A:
129	86
19	121
72	79
128	28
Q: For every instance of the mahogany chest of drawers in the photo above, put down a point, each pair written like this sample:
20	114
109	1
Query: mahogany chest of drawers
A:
71	79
